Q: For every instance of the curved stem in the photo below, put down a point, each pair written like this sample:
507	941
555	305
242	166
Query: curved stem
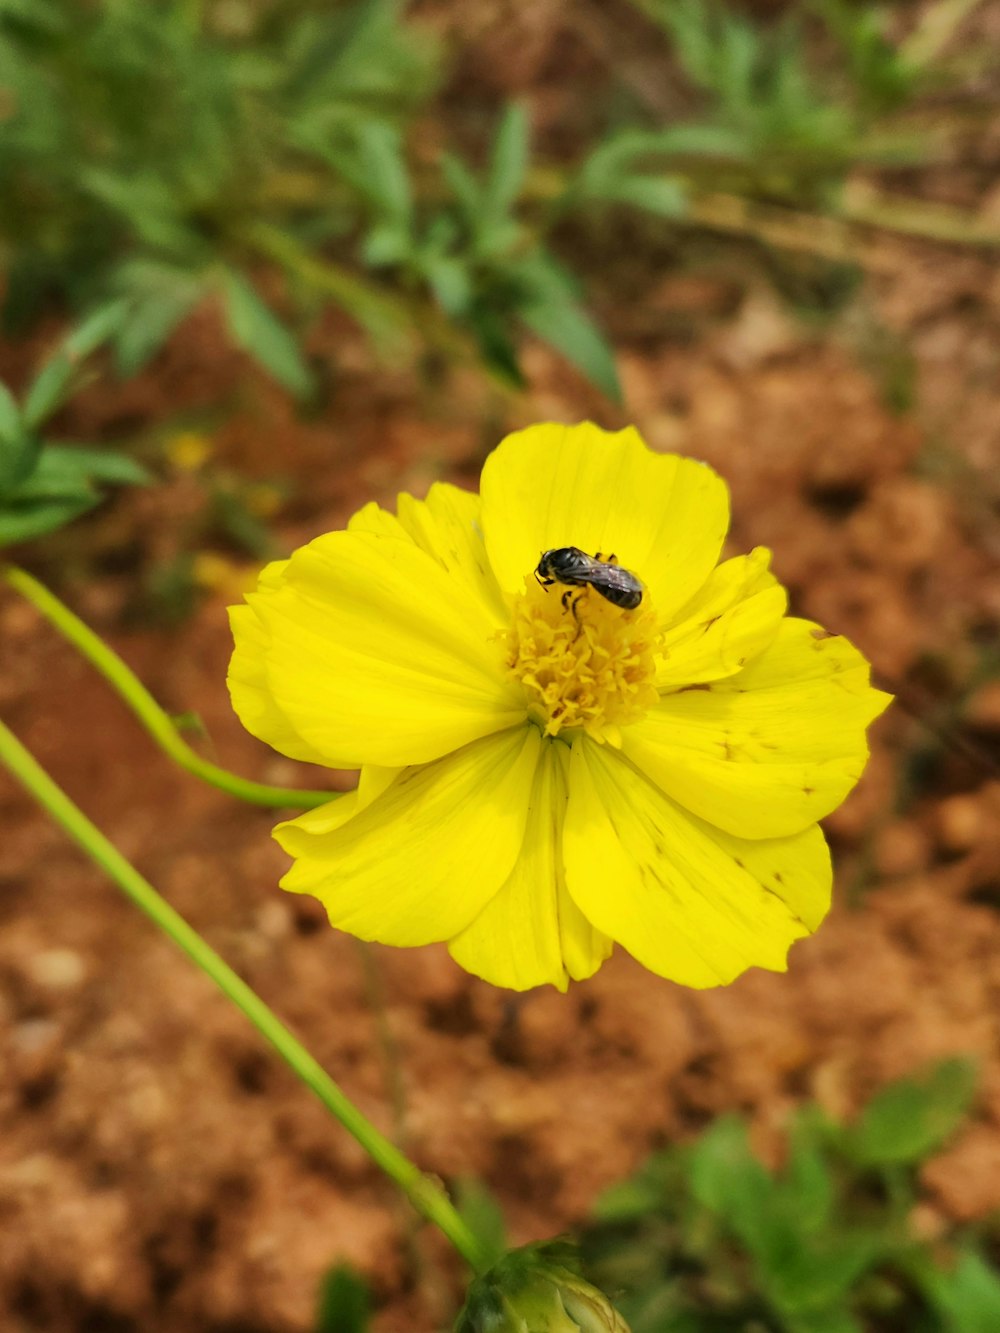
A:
426	1195
384	315
389	318
155	719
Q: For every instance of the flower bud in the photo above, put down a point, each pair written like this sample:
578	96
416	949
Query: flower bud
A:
537	1289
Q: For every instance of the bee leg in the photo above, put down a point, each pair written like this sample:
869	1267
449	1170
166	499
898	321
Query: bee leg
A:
571	600
607	559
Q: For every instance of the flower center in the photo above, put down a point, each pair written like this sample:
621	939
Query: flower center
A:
584	663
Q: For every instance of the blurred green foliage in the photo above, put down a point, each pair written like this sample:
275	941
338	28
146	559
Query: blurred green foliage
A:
344	1302
141	140
167	153
483	1216
777	121
706	1239
43	483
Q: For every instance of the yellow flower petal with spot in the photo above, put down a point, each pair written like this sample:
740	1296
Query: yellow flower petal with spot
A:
547	768
733	616
687	904
768	751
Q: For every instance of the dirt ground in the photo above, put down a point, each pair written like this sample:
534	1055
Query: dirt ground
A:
159	1168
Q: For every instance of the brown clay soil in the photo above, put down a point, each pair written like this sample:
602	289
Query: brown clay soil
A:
159	1168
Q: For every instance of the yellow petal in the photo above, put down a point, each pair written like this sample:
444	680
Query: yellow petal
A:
664	517
531	933
373	518
420	861
768	751
372	782
373	654
689	903
732	617
247	679
447	526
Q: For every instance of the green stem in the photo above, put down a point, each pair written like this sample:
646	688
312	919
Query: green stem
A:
426	1195
156	720
389	318
385	316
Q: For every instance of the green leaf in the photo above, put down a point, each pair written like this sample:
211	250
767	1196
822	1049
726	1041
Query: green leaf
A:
695	140
462	184
11	426
20	523
260	333
623	167
96	328
806	1183
48	390
911	1118
495	344
386	244
837	1320
654	1185
387	180
107	465
147	201
344	1303
149	323
67	473
968	1297
57	487
18	445
804	1275
142	337
728	1180
41	14
656	194
449	280
18	460
508	163
483	1216
571	331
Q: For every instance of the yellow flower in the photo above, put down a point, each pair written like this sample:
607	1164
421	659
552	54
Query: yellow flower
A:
188	451
543	773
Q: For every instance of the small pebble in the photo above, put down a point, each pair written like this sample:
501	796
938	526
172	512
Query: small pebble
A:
57	969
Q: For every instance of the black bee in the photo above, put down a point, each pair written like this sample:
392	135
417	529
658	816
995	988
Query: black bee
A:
603	573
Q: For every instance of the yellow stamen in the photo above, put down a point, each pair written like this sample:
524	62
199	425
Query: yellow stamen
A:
588	665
